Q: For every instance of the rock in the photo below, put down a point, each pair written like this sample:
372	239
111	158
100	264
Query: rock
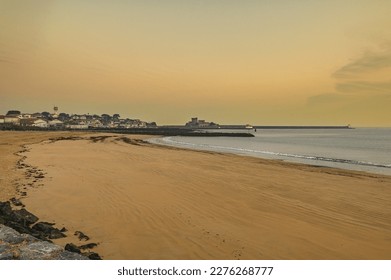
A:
24	216
72	248
16	254
66	255
20	241
88	246
16	202
29	238
92	256
43	227
82	236
41	250
5	208
15	246
10	235
4	248
6	256
48	230
18	227
56	234
40	235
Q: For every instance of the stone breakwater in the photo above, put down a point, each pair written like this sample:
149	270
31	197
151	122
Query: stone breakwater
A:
16	246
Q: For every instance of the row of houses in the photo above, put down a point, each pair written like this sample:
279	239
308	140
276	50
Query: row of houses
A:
47	120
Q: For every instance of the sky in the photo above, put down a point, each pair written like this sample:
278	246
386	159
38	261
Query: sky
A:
260	62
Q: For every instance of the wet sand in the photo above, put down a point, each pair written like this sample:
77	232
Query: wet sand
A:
142	201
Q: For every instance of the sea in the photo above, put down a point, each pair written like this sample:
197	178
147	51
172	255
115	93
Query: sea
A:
360	149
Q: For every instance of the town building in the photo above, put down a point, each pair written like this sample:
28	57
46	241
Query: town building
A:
196	123
58	120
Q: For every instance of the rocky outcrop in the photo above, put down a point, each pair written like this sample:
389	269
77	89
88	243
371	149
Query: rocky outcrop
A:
23	236
17	246
21	220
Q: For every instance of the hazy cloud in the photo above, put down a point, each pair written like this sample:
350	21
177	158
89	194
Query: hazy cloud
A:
349	102
364	87
370	61
361	84
325	98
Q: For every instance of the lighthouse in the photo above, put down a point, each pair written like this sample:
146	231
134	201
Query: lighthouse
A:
55	112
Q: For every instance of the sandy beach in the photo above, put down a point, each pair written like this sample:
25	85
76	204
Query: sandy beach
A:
11	143
143	201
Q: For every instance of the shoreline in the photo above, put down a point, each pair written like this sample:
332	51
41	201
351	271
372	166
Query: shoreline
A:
258	149
210	225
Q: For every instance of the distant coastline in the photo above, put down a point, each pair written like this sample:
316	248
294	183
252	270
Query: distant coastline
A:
174	130
164	131
17	120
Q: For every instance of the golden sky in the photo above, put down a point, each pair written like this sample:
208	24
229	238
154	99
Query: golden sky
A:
262	62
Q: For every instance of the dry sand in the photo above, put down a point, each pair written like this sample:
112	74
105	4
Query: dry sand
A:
142	201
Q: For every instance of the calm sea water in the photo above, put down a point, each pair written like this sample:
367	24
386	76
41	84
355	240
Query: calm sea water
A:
363	149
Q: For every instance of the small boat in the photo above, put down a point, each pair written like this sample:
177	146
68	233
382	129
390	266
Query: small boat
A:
249	126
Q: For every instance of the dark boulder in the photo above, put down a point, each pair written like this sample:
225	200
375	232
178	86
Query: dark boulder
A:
92	256
48	230
16	202
40	235
56	234
44	227
5	208
23	216
88	246
18	227
72	248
